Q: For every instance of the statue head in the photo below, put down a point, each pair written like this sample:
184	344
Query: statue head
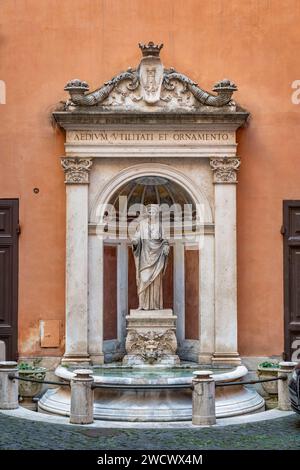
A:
152	210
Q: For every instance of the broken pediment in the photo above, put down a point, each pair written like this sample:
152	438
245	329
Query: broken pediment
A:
151	88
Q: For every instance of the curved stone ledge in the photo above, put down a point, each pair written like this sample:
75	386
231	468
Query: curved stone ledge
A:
233	375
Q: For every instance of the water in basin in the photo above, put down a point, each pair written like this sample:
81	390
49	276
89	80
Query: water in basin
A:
116	373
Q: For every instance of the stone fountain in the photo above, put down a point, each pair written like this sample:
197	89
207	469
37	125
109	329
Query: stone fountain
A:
151	358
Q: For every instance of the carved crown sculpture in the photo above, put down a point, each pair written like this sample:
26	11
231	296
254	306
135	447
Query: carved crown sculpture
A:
150	49
150	87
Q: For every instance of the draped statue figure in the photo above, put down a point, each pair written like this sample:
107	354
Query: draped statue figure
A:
150	252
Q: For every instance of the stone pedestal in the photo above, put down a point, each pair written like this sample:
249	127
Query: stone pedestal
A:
82	397
8	387
204	407
151	338
285	371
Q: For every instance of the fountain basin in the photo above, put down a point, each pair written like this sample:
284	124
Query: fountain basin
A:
115	404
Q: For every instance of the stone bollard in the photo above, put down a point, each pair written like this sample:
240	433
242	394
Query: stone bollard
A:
204	408
285	370
82	397
8	387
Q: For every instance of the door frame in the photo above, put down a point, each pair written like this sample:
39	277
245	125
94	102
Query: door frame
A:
12	354
287	204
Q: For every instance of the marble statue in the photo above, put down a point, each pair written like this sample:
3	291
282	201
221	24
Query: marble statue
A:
150	252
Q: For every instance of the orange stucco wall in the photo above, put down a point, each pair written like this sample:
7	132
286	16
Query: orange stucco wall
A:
45	43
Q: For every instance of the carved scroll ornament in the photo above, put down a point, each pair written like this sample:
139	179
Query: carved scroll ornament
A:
150	84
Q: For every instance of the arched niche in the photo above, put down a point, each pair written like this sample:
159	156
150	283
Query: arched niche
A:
189	256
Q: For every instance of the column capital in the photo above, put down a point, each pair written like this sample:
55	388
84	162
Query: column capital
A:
225	169
76	169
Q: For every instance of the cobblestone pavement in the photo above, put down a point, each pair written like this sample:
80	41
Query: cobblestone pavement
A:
281	433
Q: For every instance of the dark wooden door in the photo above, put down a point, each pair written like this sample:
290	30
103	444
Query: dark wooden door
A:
291	234
9	230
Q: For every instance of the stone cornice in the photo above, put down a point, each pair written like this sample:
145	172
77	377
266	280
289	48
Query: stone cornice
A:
76	170
94	118
225	169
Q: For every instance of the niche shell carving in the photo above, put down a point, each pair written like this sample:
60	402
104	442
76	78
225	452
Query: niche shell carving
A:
150	87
